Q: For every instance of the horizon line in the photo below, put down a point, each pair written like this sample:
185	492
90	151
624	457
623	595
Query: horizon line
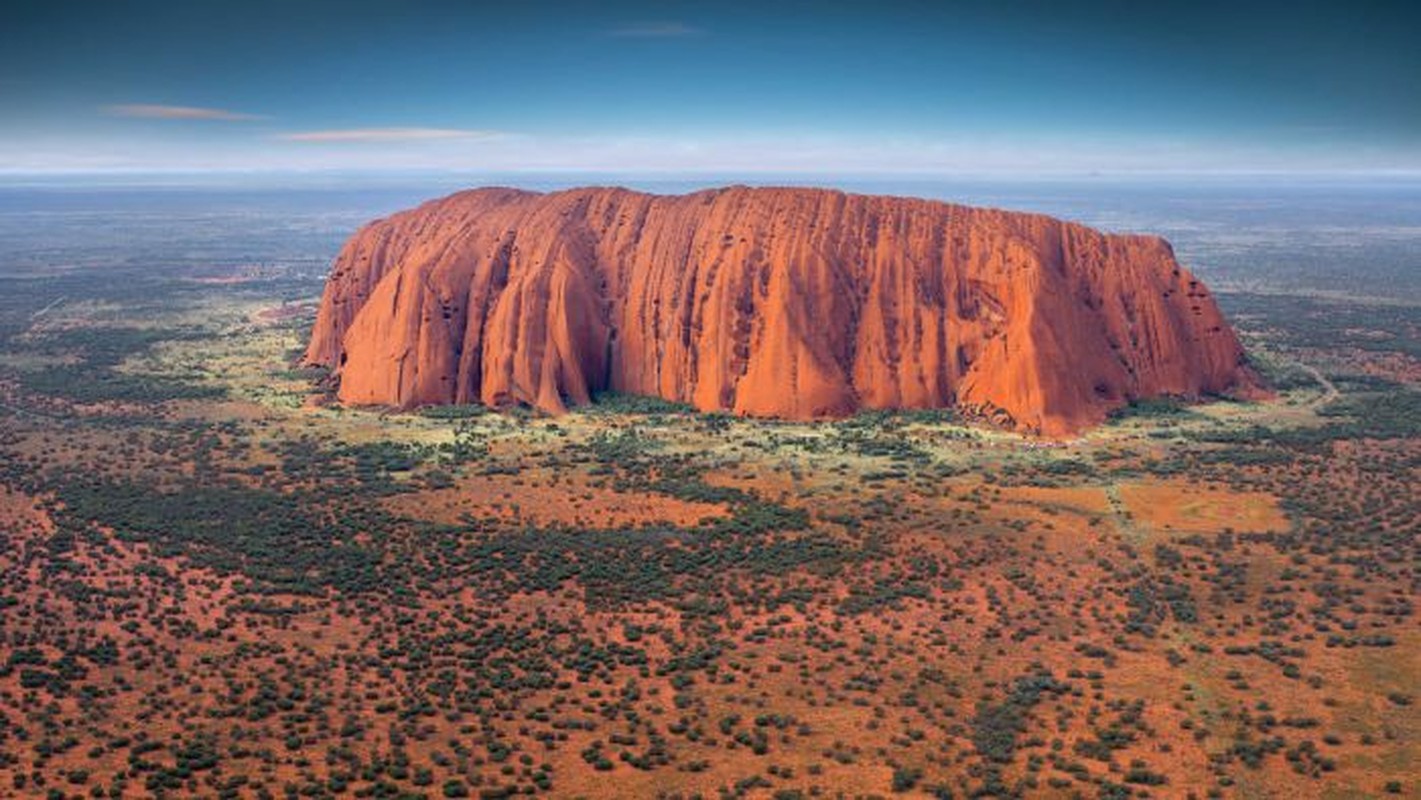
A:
900	174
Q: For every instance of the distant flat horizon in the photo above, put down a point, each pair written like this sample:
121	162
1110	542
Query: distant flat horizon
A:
217	177
1241	232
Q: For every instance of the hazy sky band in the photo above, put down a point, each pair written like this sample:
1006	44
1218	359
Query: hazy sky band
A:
893	86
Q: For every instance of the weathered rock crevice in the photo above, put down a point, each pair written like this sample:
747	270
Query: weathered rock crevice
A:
796	303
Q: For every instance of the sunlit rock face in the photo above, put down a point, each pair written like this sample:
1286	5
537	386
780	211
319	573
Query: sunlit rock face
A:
793	303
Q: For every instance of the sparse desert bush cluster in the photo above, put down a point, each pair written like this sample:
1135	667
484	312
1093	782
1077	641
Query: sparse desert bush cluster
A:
210	590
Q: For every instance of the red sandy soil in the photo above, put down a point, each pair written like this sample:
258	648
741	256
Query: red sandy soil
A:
572	500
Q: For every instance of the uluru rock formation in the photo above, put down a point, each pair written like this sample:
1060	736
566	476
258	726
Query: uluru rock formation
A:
795	303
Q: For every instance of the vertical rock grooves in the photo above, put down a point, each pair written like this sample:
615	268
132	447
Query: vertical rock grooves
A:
796	303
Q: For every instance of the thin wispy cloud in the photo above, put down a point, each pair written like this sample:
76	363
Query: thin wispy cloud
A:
386	135
158	111
655	30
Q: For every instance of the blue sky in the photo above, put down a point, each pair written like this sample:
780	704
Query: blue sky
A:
877	87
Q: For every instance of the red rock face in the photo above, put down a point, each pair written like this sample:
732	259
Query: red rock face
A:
796	303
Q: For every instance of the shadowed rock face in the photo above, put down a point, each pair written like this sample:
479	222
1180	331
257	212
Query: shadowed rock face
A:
796	303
